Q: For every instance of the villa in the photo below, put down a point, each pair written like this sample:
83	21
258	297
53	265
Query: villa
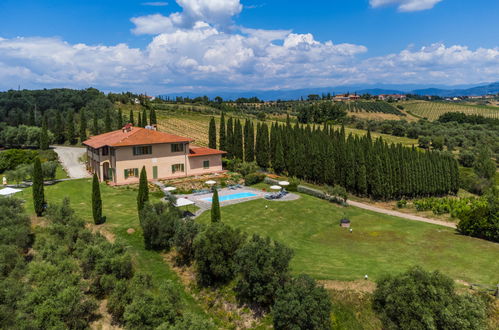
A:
118	156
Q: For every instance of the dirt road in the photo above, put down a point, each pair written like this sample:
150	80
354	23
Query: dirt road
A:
69	157
401	215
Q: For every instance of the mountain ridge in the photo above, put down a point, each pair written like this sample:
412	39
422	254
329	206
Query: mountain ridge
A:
294	94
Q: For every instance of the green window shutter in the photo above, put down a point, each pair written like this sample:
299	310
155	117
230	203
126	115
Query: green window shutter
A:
136	171
126	174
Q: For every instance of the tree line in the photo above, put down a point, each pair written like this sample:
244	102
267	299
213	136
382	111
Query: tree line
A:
324	155
40	117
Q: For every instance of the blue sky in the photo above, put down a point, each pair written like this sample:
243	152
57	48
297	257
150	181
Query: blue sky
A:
237	45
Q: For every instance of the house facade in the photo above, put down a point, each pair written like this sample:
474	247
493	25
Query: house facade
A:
118	156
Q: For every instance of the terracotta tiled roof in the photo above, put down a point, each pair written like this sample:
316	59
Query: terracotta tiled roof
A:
199	151
132	137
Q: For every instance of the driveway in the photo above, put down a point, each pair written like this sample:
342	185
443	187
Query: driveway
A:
69	157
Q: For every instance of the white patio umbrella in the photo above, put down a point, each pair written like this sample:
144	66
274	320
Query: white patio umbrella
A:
9	191
275	187
170	189
210	182
283	183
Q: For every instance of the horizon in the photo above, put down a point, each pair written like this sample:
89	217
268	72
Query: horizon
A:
201	46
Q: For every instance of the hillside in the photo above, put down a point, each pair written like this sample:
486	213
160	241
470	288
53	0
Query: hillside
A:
433	110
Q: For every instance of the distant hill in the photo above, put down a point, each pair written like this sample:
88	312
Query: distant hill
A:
473	91
295	94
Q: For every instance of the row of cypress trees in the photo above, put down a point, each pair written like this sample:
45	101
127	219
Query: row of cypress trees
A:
364	166
143	120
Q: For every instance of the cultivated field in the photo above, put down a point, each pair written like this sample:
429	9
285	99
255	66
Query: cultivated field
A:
433	110
195	126
379	244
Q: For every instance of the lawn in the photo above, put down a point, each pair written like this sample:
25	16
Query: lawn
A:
379	244
120	207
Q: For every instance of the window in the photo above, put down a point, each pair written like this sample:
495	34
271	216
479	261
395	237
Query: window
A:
131	173
177	168
142	150
177	147
105	151
206	164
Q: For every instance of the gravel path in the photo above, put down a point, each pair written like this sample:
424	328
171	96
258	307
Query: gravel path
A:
69	157
401	215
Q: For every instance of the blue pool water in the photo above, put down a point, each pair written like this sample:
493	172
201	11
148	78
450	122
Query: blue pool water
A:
231	197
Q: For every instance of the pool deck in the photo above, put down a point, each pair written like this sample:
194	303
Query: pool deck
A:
205	205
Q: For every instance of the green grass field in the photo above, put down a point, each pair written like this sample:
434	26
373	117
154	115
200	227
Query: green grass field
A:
433	110
120	208
379	244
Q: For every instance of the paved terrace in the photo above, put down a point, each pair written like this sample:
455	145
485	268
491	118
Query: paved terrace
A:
204	205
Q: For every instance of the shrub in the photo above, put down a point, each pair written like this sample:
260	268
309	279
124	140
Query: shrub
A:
12	158
418	299
253	178
185	233
401	203
263	266
311	192
301	304
293	184
480	219
214	252
158	223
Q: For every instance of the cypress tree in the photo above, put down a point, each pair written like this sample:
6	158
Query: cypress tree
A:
31	118
95	124
250	152
139	122
59	128
119	121
130	119
215	207
264	152
230	139
143	195
222	137
96	201
70	128
83	126
44	137
212	134
245	139
278	164
152	117
38	193
107	121
144	118
377	184
238	141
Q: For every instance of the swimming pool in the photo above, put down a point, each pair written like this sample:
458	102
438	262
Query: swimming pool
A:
232	197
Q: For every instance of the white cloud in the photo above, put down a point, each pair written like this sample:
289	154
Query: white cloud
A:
215	12
206	54
406	5
437	64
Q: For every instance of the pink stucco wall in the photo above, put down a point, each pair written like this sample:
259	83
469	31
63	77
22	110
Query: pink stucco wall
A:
162	157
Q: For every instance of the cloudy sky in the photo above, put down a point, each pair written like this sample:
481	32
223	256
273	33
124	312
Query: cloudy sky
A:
203	45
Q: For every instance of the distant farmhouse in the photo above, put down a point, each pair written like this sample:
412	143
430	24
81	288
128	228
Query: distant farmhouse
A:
394	97
118	156
346	97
